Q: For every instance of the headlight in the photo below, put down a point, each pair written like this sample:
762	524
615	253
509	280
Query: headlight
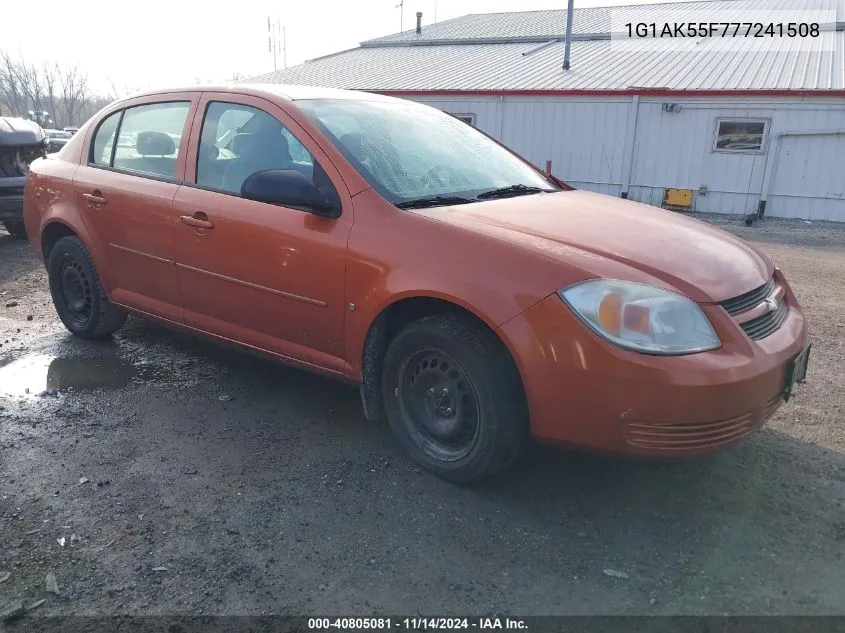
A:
641	318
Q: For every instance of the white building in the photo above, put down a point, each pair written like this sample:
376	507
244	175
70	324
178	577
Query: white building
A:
758	126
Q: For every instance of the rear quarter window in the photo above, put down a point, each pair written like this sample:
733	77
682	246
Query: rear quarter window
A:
101	150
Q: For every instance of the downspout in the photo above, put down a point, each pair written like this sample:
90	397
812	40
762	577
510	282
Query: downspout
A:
501	117
772	166
630	144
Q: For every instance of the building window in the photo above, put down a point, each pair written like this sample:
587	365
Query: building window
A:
469	119
741	135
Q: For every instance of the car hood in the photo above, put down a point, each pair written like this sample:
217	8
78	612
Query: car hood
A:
16	132
699	260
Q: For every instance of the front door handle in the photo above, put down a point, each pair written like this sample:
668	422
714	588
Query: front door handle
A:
95	199
198	221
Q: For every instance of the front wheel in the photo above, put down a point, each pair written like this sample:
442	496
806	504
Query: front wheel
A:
77	293
16	228
454	398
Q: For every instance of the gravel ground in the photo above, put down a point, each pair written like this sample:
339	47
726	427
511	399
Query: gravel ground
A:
160	474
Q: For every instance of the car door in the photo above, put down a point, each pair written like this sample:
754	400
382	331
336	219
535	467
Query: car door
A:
136	162
265	275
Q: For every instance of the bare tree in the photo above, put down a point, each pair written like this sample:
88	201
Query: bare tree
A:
49	73
22	85
74	84
62	90
10	89
31	84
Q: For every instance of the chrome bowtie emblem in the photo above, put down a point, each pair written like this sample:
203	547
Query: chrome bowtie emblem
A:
772	304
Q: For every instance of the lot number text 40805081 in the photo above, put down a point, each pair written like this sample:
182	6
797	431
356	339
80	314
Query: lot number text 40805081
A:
417	624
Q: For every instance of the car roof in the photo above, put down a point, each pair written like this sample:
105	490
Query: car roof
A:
288	92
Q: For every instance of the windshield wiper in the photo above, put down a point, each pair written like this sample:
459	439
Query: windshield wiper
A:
433	201
510	191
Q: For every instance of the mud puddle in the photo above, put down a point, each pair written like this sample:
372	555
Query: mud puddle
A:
39	374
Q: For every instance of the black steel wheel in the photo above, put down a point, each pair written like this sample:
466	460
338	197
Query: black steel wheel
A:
453	397
80	300
439	404
77	291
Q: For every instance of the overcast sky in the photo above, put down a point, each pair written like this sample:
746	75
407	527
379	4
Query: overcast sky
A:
140	44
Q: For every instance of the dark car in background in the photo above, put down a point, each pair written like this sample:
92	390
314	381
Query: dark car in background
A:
21	142
56	140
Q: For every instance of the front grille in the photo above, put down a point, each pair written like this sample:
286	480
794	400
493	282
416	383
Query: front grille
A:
764	325
11	191
771	407
750	299
689	436
700	435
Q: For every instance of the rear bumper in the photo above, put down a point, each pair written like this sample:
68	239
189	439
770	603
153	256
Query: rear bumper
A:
583	391
11	207
11	198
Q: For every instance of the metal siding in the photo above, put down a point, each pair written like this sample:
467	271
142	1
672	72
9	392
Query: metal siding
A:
486	111
808	182
676	150
584	138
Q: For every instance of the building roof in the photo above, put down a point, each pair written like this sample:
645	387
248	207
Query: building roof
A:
523	52
590	22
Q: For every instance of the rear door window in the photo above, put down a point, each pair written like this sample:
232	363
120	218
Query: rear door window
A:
149	138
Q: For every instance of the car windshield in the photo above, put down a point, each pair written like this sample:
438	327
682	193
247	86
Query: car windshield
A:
410	152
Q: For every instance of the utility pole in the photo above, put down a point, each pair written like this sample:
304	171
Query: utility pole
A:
274	45
271	42
401	7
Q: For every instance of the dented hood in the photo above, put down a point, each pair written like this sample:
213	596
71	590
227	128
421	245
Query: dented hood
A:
17	132
702	261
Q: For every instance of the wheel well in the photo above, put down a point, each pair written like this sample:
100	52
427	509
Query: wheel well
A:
384	328
52	233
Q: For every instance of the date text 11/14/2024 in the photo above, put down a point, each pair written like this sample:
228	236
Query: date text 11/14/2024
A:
417	623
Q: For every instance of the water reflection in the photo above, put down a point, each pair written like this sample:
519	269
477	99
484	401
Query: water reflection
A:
30	376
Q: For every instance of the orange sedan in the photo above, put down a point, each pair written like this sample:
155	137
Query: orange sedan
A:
474	299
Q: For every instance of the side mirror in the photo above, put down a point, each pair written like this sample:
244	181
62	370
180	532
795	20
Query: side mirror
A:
287	187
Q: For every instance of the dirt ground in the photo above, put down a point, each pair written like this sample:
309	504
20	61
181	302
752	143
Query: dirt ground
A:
160	474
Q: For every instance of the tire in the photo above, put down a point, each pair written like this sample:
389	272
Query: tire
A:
16	228
77	292
453	397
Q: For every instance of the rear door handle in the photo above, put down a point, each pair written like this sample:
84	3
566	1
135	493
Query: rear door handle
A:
94	198
198	221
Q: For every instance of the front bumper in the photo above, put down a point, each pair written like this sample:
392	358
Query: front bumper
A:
585	392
